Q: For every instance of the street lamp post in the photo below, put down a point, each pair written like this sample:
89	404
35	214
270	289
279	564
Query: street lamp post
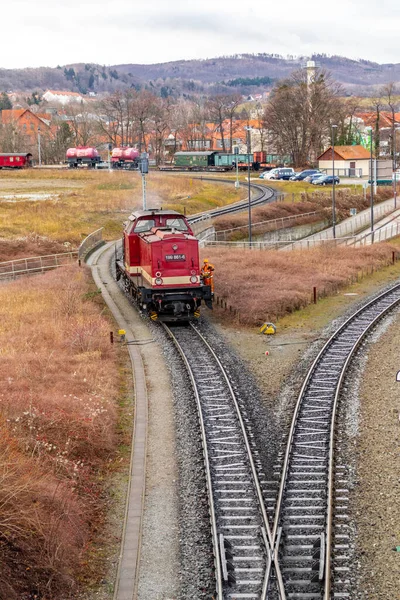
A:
248	129
333	127
394	167
372	185
39	151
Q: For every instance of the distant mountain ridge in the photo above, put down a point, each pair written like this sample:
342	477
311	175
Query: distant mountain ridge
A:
241	73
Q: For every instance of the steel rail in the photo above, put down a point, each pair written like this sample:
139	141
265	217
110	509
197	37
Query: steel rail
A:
218	568
265	194
245	437
332	440
266	529
286	464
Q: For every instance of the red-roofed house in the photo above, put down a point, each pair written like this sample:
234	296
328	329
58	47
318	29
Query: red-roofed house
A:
27	121
351	161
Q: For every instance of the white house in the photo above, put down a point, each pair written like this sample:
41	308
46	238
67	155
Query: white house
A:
63	97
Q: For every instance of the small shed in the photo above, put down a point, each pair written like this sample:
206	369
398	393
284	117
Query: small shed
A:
350	161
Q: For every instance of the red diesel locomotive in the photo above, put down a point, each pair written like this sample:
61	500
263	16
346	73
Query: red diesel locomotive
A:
160	265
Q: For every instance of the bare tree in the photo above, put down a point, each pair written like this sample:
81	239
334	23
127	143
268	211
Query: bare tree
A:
299	113
83	124
218	110
388	92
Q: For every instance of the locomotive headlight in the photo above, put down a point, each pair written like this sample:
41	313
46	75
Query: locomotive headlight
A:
193	272
159	281
174	247
193	279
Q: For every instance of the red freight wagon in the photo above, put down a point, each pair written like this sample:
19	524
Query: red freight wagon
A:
15	160
125	158
82	156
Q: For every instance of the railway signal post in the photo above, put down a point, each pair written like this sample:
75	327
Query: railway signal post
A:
144	169
236	152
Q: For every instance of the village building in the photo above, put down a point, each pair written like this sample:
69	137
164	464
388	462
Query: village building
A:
63	97
26	121
350	161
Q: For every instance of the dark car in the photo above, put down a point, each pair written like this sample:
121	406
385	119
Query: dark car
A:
303	174
326	180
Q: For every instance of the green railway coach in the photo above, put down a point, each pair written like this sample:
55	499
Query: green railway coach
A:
228	160
194	160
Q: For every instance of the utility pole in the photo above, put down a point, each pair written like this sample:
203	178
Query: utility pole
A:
333	128
109	157
39	150
248	129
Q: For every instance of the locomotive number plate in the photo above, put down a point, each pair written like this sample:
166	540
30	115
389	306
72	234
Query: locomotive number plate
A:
175	257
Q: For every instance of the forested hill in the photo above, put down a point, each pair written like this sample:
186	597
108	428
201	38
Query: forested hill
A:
244	73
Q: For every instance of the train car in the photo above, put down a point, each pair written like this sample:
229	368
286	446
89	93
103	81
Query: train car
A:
125	158
227	160
15	160
83	156
160	266
194	161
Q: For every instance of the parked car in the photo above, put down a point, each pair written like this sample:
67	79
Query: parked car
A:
268	174
303	174
285	173
326	180
311	178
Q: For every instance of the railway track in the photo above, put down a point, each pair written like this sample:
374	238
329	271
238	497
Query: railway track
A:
278	542
263	194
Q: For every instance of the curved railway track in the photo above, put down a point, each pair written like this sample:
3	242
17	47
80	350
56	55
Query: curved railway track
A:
263	195
285	553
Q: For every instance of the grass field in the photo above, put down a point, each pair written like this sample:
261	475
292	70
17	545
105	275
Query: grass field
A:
59	435
82	201
266	285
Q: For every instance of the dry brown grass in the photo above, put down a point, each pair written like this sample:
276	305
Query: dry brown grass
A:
87	200
58	430
264	285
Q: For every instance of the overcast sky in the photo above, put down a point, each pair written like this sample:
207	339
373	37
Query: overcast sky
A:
50	32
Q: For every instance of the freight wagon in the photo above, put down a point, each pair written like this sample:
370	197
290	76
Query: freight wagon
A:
82	156
15	160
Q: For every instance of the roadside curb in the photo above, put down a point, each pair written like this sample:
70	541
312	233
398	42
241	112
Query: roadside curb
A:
129	558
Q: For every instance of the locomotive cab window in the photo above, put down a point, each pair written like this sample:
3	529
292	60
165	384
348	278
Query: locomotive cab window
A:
144	225
178	224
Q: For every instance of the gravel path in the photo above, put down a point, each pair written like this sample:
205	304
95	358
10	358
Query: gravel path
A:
376	498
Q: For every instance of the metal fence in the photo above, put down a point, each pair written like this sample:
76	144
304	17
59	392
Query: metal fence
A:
35	264
274	224
90	242
350	226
